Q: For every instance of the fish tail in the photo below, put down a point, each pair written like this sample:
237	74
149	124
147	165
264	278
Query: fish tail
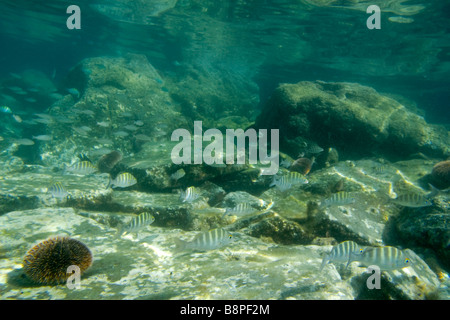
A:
324	262
434	191
109	183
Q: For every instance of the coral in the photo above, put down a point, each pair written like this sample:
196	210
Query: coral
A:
47	262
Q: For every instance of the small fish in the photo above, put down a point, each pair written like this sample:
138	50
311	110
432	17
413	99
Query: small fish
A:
5	109
189	195
15	88
126	114
104	141
386	258
123	180
87	112
342	252
29	122
143	137
313	148
57	191
121	134
339	199
82	167
288	180
74	92
44	116
104	124
56	96
241	209
138	223
285	163
412	200
30	100
62	119
15	75
17	118
180	173
43	121
24	142
205	241
42	137
131	127
139	123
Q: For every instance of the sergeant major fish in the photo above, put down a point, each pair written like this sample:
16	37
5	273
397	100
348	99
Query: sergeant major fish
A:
137	223
57	190
386	258
342	252
189	195
82	168
205	241
340	198
241	209
288	180
412	200
123	180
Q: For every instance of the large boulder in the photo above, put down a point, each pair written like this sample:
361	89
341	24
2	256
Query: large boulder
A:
353	118
118	103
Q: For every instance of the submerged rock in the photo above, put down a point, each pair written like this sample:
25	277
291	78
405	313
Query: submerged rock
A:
350	117
114	104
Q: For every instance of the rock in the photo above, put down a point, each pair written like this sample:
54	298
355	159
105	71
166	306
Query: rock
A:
280	230
128	268
419	229
110	95
353	118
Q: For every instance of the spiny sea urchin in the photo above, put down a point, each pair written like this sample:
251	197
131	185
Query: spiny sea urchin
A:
441	174
47	262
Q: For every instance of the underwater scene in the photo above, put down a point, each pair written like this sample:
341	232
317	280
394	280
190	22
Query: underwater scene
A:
225	150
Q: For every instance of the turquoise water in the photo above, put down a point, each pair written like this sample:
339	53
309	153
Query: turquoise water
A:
354	120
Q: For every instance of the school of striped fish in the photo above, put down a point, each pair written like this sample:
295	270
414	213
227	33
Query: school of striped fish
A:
386	258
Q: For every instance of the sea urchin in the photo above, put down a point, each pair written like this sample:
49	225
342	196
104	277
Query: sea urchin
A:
441	174
47	262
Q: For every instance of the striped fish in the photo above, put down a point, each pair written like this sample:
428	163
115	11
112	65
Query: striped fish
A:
339	199
57	190
386	258
290	179
241	209
413	200
138	223
82	167
123	180
343	252
205	241
189	195
313	148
